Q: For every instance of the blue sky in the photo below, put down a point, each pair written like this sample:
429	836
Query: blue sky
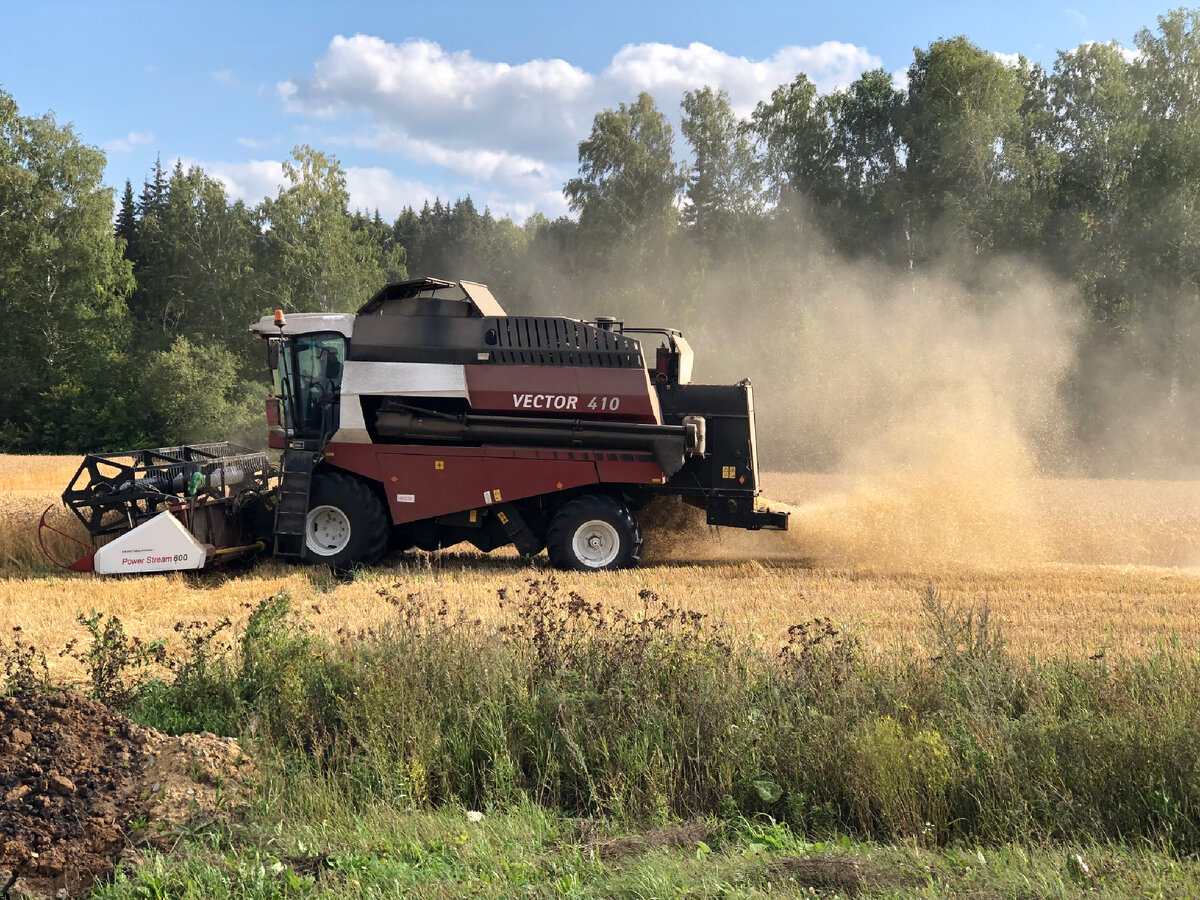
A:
444	99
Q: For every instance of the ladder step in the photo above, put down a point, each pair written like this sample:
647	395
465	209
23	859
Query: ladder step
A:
291	509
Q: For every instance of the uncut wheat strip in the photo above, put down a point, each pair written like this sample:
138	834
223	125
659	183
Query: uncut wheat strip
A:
19	516
36	474
1059	610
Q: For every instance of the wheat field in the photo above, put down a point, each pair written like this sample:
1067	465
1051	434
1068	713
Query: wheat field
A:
1075	567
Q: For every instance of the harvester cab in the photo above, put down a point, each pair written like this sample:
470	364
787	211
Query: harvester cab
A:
431	417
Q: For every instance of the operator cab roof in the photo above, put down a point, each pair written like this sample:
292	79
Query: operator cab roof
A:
305	323
433	297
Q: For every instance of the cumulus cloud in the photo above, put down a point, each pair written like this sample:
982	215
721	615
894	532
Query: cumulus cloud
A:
480	165
370	188
374	188
1012	60
256	143
451	97
667	71
1130	55
249	181
127	143
514	128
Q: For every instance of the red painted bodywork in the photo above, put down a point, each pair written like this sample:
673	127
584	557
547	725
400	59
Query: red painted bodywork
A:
423	481
534	391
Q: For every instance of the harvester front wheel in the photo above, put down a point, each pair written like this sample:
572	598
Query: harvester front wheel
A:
594	532
346	524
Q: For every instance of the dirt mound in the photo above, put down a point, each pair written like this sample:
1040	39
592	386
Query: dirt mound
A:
74	775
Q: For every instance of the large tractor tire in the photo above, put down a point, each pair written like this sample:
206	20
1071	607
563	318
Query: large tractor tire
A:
594	532
347	524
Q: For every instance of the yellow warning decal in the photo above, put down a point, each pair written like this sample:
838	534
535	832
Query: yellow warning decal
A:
439	464
729	471
474	515
496	495
503	518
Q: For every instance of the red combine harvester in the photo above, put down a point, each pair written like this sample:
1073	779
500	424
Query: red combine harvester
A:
429	418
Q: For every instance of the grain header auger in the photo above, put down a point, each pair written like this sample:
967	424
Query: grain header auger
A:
429	418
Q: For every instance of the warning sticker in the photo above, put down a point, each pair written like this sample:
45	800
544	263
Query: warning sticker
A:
406	498
487	497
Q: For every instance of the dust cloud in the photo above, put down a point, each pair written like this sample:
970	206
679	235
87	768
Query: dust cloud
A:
931	412
938	412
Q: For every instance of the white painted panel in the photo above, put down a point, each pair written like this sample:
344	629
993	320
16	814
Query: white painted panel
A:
307	323
404	379
160	545
352	429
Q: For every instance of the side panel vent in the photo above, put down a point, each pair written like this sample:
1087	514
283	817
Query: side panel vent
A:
545	341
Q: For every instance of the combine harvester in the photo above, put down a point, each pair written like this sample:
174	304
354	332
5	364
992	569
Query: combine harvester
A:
430	418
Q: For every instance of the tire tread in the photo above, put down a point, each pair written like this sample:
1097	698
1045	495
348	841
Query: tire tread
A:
592	506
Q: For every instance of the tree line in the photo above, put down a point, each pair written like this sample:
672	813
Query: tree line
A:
1088	170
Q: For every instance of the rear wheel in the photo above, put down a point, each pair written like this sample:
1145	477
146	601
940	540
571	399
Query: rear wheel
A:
594	532
346	524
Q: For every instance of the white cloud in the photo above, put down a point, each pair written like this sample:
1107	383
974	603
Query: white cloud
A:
248	181
512	170
507	133
127	143
369	188
225	77
434	94
256	143
667	71
1012	60
540	109
1129	55
378	188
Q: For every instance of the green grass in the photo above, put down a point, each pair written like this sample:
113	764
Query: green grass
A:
661	716
530	852
959	769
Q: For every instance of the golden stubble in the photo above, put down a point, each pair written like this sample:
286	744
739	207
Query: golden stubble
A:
1085	566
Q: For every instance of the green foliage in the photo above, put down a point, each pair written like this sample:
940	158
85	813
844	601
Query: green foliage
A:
962	135
315	261
628	180
724	189
660	715
193	393
356	853
62	277
793	131
116	663
23	667
196	267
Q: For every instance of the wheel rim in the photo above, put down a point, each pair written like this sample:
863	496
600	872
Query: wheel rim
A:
327	531
596	543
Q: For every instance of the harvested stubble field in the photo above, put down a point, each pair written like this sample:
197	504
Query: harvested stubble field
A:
1072	567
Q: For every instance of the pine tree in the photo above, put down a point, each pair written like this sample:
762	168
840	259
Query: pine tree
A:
127	224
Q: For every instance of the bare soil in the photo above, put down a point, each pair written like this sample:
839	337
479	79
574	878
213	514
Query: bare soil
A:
80	783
